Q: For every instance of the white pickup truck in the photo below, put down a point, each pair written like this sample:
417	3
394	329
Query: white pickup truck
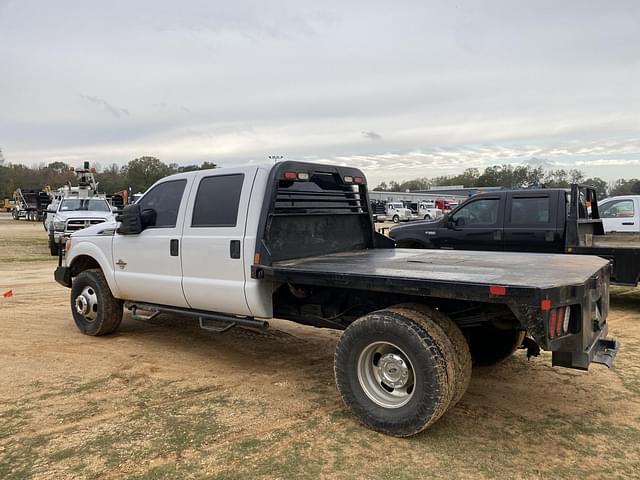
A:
72	214
620	214
238	246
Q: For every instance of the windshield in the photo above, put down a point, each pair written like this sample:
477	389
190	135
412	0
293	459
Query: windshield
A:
79	204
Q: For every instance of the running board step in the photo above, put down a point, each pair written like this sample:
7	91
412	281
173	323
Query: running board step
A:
202	316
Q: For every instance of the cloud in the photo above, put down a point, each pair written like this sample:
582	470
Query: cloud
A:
371	135
603	162
117	112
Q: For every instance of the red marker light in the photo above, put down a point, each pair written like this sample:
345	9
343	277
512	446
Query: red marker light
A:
545	305
498	290
290	176
358	180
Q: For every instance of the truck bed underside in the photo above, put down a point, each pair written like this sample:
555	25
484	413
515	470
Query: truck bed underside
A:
446	274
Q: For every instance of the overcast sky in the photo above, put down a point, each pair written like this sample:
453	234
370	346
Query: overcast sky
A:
400	89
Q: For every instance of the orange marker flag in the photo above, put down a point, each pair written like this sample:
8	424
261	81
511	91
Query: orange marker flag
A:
8	294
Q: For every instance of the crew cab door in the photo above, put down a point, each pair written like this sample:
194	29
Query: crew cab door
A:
147	265
620	215
213	263
530	223
476	225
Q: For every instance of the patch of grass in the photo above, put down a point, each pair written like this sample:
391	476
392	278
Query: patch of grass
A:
12	420
18	458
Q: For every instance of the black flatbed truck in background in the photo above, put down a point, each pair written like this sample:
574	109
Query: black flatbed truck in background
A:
530	220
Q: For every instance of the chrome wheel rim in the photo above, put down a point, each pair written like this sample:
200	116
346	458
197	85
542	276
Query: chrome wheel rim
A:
386	375
86	303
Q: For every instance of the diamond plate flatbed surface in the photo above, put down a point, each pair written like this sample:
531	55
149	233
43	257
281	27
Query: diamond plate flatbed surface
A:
537	270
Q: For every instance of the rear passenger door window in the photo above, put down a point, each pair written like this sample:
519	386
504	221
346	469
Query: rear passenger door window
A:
530	211
217	201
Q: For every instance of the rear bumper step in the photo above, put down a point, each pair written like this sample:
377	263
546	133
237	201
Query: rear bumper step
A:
606	350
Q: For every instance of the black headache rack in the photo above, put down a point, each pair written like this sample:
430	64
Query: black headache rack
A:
585	235
314	209
583	217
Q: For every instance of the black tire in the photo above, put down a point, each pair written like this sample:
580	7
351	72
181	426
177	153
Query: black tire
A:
396	219
427	217
14	214
53	246
423	347
462	356
490	345
103	313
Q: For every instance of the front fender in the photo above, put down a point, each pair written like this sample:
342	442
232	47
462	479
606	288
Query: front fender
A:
95	249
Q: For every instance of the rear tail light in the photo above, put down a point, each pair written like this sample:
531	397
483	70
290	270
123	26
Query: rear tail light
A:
358	180
293	176
559	322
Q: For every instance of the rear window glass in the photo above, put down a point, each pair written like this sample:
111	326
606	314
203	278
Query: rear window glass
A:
529	211
217	201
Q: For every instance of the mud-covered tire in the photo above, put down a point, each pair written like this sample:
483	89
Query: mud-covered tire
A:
53	247
489	345
396	219
462	356
426	352
103	313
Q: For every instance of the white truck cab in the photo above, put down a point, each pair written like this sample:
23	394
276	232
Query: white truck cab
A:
620	214
427	210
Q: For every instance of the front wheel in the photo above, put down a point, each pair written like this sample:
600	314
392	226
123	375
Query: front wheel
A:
95	310
54	248
427	217
396	370
396	219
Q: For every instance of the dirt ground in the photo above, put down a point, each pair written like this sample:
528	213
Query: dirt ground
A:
168	400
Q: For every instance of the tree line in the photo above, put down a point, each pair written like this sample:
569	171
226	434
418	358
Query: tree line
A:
139	174
520	176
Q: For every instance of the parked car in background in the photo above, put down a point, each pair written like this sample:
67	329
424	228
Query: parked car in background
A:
620	214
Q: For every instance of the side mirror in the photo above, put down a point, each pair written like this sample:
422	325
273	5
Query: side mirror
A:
130	220
447	222
148	217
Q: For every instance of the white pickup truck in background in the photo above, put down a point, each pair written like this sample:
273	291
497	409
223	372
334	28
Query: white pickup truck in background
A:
620	214
238	246
72	214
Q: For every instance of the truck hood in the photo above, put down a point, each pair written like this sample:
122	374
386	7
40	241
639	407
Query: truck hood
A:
106	228
419	225
81	214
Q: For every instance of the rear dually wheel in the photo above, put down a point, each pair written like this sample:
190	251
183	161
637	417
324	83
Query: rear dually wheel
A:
396	370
